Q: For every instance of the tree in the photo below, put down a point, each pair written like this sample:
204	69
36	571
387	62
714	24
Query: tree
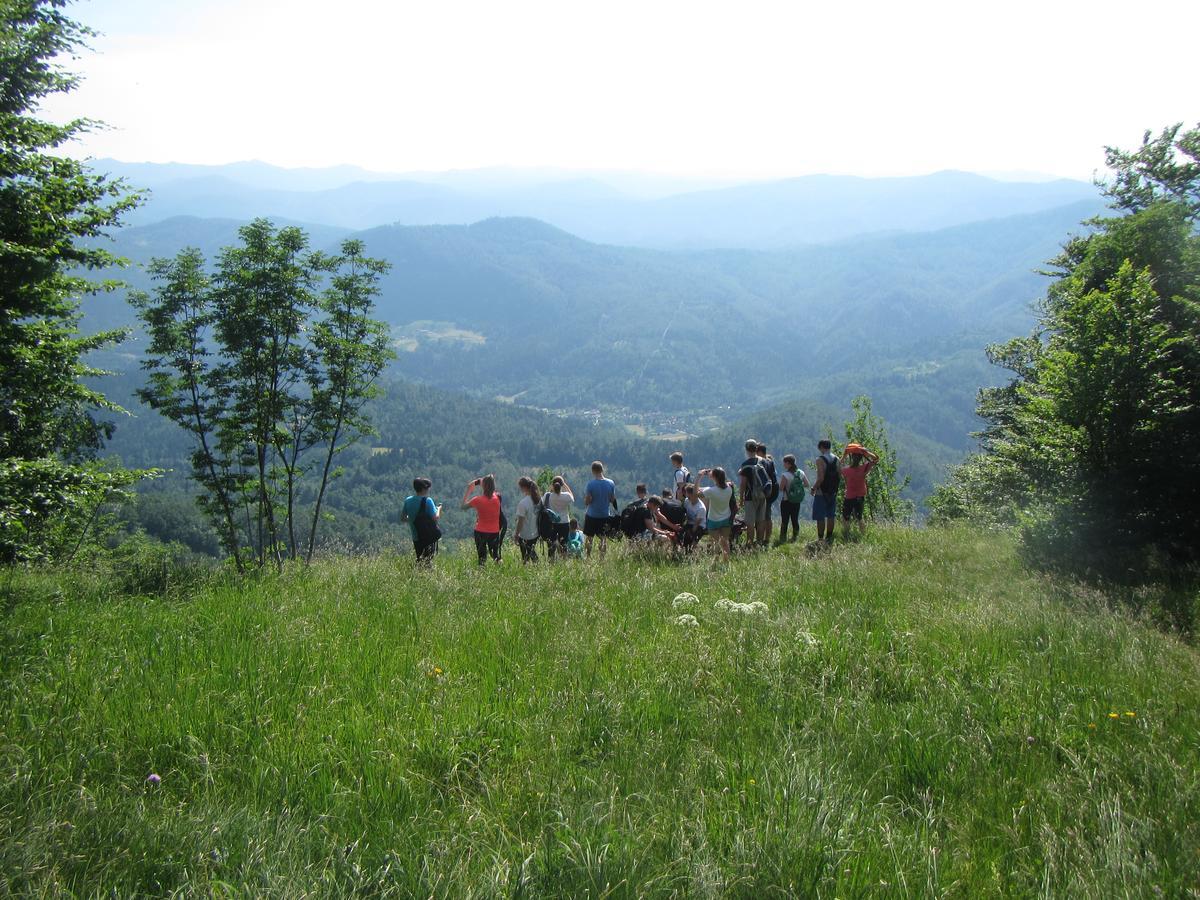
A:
1093	433
884	483
261	366
51	209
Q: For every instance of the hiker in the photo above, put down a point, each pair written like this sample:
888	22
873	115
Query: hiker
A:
558	500
792	483
682	477
575	540
825	490
755	486
768	463
719	500
525	532
598	496
697	517
655	526
422	514
855	476
488	517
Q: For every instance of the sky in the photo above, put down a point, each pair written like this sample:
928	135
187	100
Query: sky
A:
700	89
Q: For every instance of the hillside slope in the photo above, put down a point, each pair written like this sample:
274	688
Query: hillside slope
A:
911	715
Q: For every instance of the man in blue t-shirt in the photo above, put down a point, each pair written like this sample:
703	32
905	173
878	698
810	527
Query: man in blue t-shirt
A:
599	495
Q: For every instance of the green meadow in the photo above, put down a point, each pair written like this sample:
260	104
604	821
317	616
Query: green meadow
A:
913	715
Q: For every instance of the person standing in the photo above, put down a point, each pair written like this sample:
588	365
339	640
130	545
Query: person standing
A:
768	463
855	476
697	518
599	495
825	492
792	483
755	487
718	497
487	517
558	500
525	532
682	477
422	514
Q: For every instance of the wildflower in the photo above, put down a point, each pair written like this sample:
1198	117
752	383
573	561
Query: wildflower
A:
685	599
1031	740
759	607
435	672
153	778
1113	715
687	619
1130	714
807	637
1092	725
751	781
725	603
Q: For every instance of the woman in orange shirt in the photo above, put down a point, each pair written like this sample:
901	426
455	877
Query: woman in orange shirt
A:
855	477
487	516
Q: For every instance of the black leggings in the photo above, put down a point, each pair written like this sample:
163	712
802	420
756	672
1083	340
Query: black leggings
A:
528	549
789	512
558	542
486	543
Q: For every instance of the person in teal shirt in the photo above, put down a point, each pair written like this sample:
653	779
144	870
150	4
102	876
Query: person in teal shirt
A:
575	540
425	532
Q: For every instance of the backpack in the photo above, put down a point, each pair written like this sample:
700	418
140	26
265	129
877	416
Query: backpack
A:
426	525
769	465
795	492
760	484
633	518
687	476
546	520
829	484
674	512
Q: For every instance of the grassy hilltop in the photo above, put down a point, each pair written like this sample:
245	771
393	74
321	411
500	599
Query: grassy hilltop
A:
914	715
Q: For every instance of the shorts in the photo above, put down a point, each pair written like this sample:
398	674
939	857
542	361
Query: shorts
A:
755	510
593	526
824	507
852	507
718	524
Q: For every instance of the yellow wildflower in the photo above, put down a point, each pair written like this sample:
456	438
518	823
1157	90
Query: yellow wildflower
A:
1114	715
1130	713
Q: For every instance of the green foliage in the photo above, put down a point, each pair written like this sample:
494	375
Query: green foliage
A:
50	208
884	484
1088	445
259	366
915	714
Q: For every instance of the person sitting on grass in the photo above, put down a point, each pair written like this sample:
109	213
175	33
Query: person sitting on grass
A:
575	540
855	476
697	517
422	514
657	527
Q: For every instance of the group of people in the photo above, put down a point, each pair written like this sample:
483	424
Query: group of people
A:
711	503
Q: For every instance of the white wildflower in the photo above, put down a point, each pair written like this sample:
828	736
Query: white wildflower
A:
807	637
687	619
759	607
725	603
685	599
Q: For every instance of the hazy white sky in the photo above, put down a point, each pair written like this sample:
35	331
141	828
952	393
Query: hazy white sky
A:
749	89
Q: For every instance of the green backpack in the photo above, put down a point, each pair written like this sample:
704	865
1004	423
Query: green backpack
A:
795	493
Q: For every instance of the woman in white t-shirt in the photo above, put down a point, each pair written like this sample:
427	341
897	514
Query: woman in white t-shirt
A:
558	500
718	498
526	531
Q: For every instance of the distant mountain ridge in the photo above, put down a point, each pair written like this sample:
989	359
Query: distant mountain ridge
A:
757	215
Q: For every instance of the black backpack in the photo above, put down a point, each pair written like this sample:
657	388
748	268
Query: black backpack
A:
829	483
687	476
546	520
769	465
633	518
426	525
674	511
760	484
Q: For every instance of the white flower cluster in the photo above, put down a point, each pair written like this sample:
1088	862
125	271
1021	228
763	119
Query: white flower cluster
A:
757	607
687	619
685	599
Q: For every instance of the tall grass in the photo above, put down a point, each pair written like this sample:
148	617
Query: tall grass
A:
913	715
